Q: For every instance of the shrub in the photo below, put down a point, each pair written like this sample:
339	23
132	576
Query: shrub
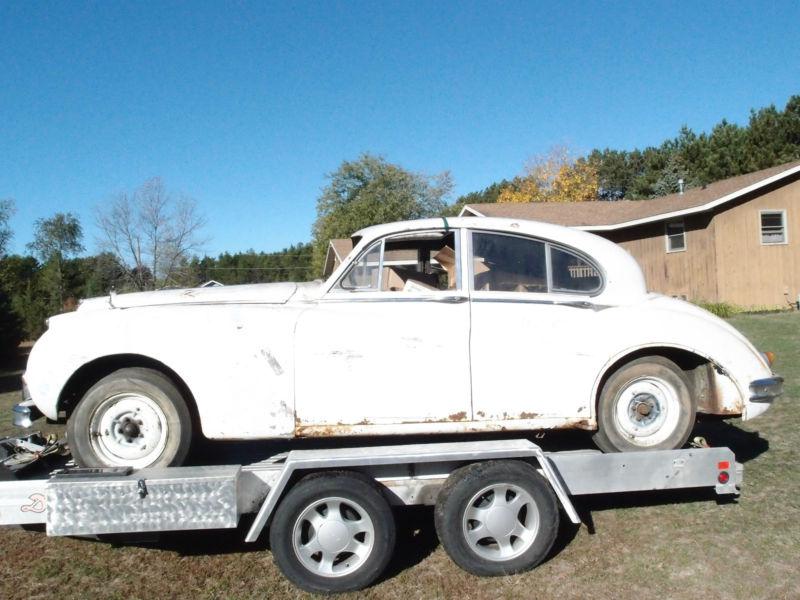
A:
724	310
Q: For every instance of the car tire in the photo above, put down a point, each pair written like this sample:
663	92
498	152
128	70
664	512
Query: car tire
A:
133	417
520	532
333	532
645	405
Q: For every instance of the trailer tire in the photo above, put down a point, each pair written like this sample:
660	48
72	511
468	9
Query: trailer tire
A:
132	417
496	517
333	532
653	384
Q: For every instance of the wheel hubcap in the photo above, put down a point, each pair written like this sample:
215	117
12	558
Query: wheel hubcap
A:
647	411
500	522
128	430
333	537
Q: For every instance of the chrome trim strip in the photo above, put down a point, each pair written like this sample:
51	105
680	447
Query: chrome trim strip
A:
766	390
570	303
451	299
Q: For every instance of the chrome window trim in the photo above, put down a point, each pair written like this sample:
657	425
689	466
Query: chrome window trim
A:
337	288
548	244
338	285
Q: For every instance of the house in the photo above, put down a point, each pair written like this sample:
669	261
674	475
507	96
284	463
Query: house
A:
338	250
735	240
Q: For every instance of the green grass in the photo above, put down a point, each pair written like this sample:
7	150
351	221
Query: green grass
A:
644	547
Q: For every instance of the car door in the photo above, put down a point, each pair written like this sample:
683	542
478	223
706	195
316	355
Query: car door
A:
382	361
532	319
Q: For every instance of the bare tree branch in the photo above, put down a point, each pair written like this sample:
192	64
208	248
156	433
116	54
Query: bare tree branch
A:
151	233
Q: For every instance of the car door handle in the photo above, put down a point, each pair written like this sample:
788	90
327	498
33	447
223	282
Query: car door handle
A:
580	304
451	299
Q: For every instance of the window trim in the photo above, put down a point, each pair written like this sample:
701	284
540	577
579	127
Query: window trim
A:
339	284
669	250
548	244
337	287
784	224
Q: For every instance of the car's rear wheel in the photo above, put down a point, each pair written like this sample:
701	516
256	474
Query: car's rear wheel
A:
645	405
133	417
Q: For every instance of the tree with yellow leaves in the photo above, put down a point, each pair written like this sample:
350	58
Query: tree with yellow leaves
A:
553	177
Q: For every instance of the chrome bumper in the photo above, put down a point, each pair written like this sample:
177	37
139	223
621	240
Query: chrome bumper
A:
25	413
766	390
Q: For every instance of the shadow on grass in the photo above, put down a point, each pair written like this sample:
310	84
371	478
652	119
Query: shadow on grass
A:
416	540
746	445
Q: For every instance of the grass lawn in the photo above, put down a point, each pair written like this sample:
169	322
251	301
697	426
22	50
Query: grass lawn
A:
647	546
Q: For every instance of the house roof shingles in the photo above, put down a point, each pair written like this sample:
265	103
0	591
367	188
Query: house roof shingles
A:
609	213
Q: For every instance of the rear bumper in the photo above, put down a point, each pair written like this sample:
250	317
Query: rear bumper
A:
765	391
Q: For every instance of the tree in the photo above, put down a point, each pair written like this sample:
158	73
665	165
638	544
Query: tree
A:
371	190
6	212
673	176
151	233
553	177
55	240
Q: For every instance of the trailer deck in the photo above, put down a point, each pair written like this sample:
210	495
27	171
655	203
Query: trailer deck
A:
88	502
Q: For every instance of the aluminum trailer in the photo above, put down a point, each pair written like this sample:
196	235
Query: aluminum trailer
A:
331	528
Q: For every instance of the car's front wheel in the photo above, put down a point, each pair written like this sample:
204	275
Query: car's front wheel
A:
133	417
645	405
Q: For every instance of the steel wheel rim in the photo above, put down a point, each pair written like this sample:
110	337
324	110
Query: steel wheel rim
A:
333	537
128	430
501	522
647	411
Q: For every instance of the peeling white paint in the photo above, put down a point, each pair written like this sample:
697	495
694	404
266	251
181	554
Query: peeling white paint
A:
276	360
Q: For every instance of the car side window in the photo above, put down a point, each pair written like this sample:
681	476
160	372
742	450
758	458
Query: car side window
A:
413	262
571	273
506	263
365	273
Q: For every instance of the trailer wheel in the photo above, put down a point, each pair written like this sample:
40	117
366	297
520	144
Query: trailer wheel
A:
133	417
645	405
496	517
333	532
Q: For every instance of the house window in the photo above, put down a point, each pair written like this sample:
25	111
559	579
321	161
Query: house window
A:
676	237
773	227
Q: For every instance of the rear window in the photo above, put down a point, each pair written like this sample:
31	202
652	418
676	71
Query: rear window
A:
571	273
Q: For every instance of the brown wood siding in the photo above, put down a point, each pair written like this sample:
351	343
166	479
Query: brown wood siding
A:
749	273
690	273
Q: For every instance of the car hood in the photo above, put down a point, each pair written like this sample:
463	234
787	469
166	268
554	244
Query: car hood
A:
260	293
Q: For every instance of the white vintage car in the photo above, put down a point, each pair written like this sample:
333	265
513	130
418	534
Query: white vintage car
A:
433	326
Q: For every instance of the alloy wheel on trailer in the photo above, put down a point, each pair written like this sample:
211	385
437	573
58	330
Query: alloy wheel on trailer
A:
333	536
496	517
500	522
333	532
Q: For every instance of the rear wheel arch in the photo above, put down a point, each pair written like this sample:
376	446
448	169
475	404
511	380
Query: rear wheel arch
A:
687	360
93	371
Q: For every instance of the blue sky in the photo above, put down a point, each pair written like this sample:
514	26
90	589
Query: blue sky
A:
246	106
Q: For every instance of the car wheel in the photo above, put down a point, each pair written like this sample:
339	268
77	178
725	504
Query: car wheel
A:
333	532
133	417
496	517
645	405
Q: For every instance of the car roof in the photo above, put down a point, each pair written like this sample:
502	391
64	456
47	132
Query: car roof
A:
623	275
